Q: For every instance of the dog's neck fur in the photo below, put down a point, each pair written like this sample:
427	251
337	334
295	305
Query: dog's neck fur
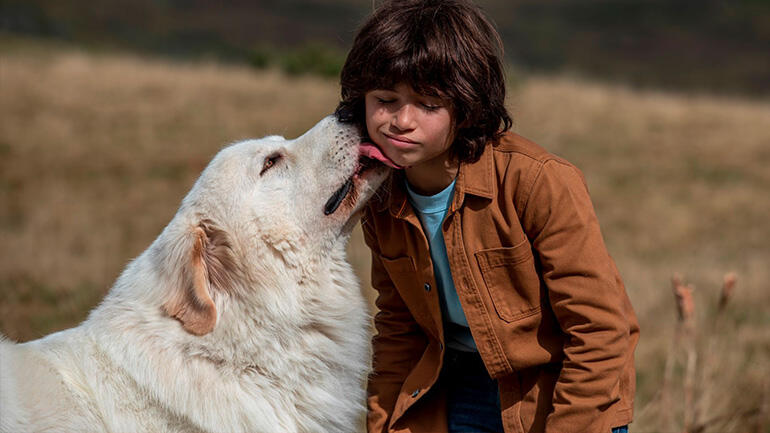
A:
251	362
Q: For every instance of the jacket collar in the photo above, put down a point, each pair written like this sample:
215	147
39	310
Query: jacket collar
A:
476	178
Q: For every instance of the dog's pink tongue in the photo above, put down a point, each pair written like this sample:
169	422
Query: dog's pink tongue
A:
370	150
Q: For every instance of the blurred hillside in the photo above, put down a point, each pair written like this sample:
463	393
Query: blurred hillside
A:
712	45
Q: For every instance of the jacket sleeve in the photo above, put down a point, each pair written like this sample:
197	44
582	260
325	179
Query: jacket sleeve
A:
397	344
586	295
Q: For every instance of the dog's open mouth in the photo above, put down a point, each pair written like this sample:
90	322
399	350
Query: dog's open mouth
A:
337	198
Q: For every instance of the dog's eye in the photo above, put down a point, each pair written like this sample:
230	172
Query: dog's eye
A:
270	161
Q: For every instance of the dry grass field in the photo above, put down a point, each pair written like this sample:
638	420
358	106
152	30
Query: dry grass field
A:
97	150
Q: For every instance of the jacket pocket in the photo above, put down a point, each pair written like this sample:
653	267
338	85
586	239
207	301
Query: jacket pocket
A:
511	279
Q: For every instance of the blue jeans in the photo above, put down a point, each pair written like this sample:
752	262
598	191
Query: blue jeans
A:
473	400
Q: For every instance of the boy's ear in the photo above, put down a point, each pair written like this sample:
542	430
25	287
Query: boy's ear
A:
209	266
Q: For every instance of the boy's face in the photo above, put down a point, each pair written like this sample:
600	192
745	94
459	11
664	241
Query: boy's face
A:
411	129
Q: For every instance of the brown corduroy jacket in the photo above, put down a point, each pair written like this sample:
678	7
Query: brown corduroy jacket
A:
544	300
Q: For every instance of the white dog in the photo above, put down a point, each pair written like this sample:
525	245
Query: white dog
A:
243	315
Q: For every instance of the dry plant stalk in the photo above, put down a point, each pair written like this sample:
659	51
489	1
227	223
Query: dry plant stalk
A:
686	308
685	338
684	335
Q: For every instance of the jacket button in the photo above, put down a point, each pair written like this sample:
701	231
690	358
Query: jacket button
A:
416	393
427	287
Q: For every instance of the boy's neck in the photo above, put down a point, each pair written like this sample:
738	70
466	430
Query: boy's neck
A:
432	177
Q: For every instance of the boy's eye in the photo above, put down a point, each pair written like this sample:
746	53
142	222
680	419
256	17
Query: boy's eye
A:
270	162
385	101
430	107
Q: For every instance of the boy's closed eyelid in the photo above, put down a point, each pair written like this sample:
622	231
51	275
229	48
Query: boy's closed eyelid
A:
426	105
434	103
427	102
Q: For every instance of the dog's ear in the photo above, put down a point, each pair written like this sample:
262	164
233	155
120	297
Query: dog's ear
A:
210	265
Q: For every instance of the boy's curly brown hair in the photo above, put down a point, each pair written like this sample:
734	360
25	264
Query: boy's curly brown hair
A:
444	48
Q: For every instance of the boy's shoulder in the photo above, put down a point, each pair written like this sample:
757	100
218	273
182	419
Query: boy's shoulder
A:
523	148
519	164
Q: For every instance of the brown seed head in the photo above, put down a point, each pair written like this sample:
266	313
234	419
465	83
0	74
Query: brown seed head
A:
685	303
728	286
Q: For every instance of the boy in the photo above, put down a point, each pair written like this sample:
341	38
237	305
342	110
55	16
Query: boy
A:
499	307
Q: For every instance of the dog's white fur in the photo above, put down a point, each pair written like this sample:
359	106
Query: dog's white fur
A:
243	315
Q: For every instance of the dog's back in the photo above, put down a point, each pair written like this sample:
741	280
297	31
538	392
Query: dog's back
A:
41	387
11	412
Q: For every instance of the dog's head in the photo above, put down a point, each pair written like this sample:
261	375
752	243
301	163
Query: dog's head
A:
263	212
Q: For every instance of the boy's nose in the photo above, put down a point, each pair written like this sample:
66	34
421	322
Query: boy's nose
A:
403	118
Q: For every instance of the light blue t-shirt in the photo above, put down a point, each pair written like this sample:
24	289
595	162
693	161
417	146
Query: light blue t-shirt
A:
432	210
